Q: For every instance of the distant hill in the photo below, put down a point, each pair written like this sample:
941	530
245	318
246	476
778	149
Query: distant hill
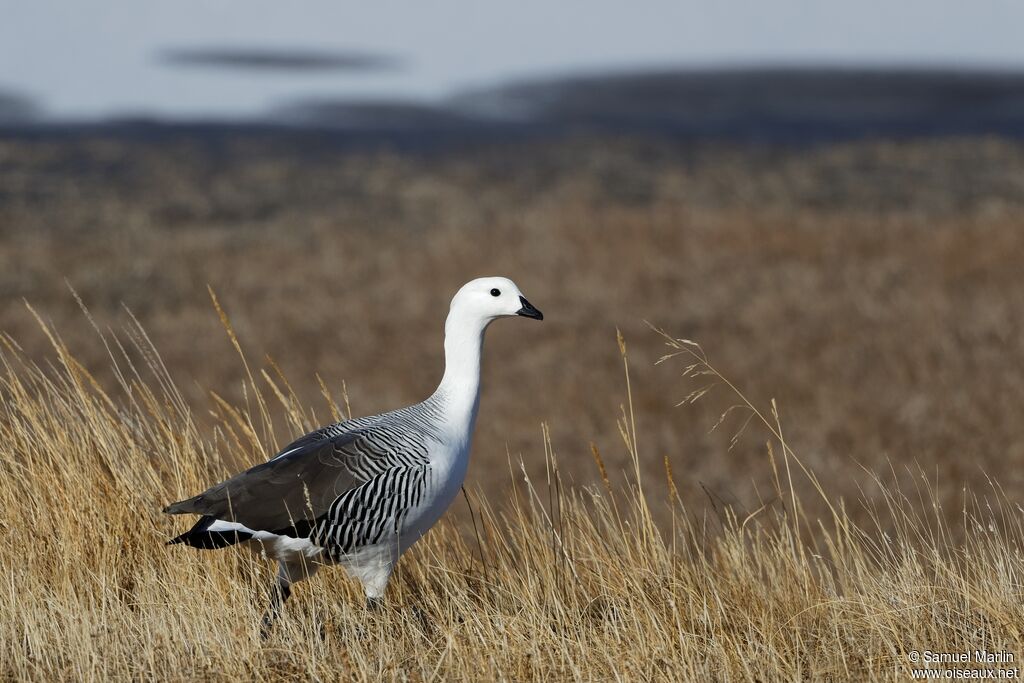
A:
769	104
372	115
762	105
16	108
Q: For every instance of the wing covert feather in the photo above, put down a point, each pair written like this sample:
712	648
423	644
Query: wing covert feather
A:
299	484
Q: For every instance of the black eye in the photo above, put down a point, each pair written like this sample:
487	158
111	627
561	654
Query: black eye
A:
495	292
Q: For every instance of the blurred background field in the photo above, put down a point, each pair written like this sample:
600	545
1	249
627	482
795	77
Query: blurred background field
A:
872	287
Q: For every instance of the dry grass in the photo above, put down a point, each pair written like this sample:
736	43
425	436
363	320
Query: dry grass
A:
870	288
557	582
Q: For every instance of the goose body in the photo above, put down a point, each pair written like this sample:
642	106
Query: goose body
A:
359	493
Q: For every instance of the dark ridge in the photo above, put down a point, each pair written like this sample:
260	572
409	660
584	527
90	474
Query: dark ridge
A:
371	115
787	107
219	137
17	108
771	104
257	59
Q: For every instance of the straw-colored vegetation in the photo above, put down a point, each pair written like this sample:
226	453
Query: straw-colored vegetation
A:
871	288
873	510
557	582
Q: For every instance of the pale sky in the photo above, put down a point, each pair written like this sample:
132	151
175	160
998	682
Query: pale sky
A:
91	59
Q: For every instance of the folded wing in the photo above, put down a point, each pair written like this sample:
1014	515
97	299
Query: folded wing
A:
290	491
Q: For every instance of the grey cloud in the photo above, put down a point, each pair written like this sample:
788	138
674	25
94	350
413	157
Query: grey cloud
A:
258	59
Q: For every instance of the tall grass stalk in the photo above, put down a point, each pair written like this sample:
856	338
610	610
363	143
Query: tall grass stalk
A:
557	581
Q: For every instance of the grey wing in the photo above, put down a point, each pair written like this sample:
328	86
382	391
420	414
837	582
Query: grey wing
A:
294	488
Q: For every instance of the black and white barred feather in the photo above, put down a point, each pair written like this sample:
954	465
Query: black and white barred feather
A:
343	486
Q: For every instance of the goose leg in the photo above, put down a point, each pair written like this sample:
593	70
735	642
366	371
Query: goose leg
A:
281	590
374	576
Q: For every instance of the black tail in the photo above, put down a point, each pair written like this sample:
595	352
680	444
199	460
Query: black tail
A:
200	537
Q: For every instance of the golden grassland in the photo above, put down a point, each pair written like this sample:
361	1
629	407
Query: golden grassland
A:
870	288
557	581
863	296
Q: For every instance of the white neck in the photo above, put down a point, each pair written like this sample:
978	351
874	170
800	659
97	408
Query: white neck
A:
463	346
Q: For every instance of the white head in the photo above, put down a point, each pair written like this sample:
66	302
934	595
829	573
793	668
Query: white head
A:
475	306
488	298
